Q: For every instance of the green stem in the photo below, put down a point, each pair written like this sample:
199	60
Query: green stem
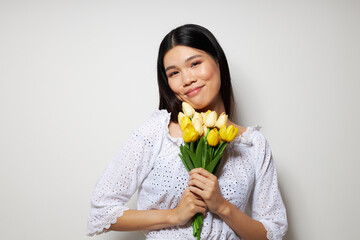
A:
197	225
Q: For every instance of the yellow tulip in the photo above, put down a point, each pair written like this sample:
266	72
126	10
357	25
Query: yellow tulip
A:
188	109
222	120
228	134
189	133
213	137
231	133
222	132
210	119
184	121
198	126
180	116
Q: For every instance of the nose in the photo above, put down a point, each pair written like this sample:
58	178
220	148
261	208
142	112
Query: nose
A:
188	77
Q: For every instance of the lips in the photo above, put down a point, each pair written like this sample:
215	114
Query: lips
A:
193	91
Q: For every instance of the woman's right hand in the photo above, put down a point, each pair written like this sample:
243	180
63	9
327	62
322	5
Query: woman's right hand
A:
189	205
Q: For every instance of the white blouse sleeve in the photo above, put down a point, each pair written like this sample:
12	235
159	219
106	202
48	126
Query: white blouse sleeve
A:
267	204
120	180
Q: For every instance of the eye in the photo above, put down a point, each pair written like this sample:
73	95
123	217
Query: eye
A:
194	64
171	74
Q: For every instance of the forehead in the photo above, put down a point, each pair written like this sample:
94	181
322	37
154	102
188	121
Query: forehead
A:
179	54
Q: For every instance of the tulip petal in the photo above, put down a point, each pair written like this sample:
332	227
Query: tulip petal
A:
188	109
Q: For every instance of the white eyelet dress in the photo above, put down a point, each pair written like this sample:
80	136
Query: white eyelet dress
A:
149	162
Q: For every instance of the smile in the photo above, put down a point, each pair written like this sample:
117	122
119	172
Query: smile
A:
194	91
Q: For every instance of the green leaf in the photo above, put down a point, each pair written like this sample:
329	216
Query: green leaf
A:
199	152
192	146
182	151
221	149
207	156
186	158
184	162
192	157
216	167
189	163
222	145
204	155
211	153
214	164
197	225
215	161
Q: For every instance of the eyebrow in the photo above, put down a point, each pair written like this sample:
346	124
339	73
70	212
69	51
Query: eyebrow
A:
188	59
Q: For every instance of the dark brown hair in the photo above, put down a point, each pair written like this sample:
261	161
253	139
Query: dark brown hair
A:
198	37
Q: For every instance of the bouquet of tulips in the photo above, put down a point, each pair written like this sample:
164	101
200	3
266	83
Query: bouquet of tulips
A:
205	138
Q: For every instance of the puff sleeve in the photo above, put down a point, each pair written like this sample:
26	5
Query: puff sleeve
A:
267	205
121	179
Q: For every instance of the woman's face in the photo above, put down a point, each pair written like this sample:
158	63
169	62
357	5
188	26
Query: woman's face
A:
194	77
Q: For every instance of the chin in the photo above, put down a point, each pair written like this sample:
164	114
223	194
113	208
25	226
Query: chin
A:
199	104
201	107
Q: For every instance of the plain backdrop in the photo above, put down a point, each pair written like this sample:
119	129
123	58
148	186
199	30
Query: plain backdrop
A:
76	77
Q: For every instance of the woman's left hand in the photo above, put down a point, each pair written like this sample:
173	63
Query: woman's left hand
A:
205	184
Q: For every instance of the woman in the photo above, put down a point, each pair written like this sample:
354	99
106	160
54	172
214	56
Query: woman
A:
192	68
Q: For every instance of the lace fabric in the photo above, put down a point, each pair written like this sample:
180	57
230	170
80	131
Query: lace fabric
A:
149	162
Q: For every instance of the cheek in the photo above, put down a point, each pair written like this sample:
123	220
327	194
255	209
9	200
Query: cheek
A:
210	72
174	86
206	73
212	76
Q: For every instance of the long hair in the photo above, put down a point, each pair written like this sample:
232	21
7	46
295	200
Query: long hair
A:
198	37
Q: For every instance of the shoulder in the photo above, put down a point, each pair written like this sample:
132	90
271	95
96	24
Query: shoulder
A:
260	147
249	136
159	118
257	139
155	125
246	133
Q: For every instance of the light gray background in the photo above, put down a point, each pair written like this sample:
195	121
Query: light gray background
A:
77	76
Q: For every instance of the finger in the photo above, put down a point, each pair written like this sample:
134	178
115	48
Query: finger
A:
200	203
207	184
202	172
197	170
198	184
186	191
204	194
191	195
196	196
200	210
197	191
194	204
201	178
